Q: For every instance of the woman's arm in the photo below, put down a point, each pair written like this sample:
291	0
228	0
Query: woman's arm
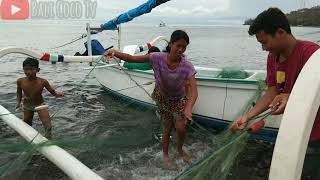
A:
192	99
126	57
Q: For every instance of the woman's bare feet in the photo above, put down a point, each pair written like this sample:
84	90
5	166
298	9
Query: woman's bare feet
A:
167	161
185	156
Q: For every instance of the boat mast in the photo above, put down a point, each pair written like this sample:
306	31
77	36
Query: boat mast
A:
89	42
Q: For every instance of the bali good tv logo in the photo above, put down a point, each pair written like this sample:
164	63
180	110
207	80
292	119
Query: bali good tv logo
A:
46	9
14	9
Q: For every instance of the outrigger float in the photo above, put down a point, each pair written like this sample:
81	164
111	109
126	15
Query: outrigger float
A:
61	158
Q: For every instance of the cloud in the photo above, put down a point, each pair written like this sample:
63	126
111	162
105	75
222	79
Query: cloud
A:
200	9
191	8
170	11
172	8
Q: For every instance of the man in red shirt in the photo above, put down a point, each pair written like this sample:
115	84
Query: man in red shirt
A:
286	58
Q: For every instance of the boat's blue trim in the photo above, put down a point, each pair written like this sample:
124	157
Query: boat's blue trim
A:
267	134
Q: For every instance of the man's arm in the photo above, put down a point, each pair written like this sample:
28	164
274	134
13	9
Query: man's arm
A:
264	102
262	105
279	103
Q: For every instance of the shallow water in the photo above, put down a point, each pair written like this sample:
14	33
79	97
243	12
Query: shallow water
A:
130	151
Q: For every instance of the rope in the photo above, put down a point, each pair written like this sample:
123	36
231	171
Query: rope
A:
63	104
167	110
75	40
85	77
144	84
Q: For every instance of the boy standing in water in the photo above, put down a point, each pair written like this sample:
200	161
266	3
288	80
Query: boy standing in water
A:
171	70
32	87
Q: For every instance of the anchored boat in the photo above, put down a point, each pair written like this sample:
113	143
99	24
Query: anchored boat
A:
221	99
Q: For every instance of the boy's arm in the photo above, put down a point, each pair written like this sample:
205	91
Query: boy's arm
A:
51	90
19	93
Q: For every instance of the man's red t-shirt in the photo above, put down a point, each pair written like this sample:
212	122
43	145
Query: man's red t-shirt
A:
283	75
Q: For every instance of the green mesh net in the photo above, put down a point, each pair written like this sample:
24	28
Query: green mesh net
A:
233	73
216	164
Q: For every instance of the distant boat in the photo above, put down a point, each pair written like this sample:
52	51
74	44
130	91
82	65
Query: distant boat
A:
162	24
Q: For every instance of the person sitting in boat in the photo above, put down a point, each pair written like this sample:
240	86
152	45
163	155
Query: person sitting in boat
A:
141	66
32	86
171	69
97	49
153	49
286	58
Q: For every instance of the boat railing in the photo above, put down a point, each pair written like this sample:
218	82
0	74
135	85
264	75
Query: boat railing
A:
256	75
214	73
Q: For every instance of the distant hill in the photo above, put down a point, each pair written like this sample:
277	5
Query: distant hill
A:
305	17
301	17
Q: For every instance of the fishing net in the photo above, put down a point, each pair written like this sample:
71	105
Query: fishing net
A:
124	125
218	163
233	73
122	131
106	126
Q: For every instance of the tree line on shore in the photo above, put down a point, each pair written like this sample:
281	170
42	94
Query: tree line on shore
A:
301	17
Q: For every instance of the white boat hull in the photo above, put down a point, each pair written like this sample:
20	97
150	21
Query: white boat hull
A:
220	101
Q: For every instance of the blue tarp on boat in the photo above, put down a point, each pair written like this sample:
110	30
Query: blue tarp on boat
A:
131	14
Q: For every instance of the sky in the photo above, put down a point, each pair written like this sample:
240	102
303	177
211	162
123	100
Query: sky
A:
189	11
201	10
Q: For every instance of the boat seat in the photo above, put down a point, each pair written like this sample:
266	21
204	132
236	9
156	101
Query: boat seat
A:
132	50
